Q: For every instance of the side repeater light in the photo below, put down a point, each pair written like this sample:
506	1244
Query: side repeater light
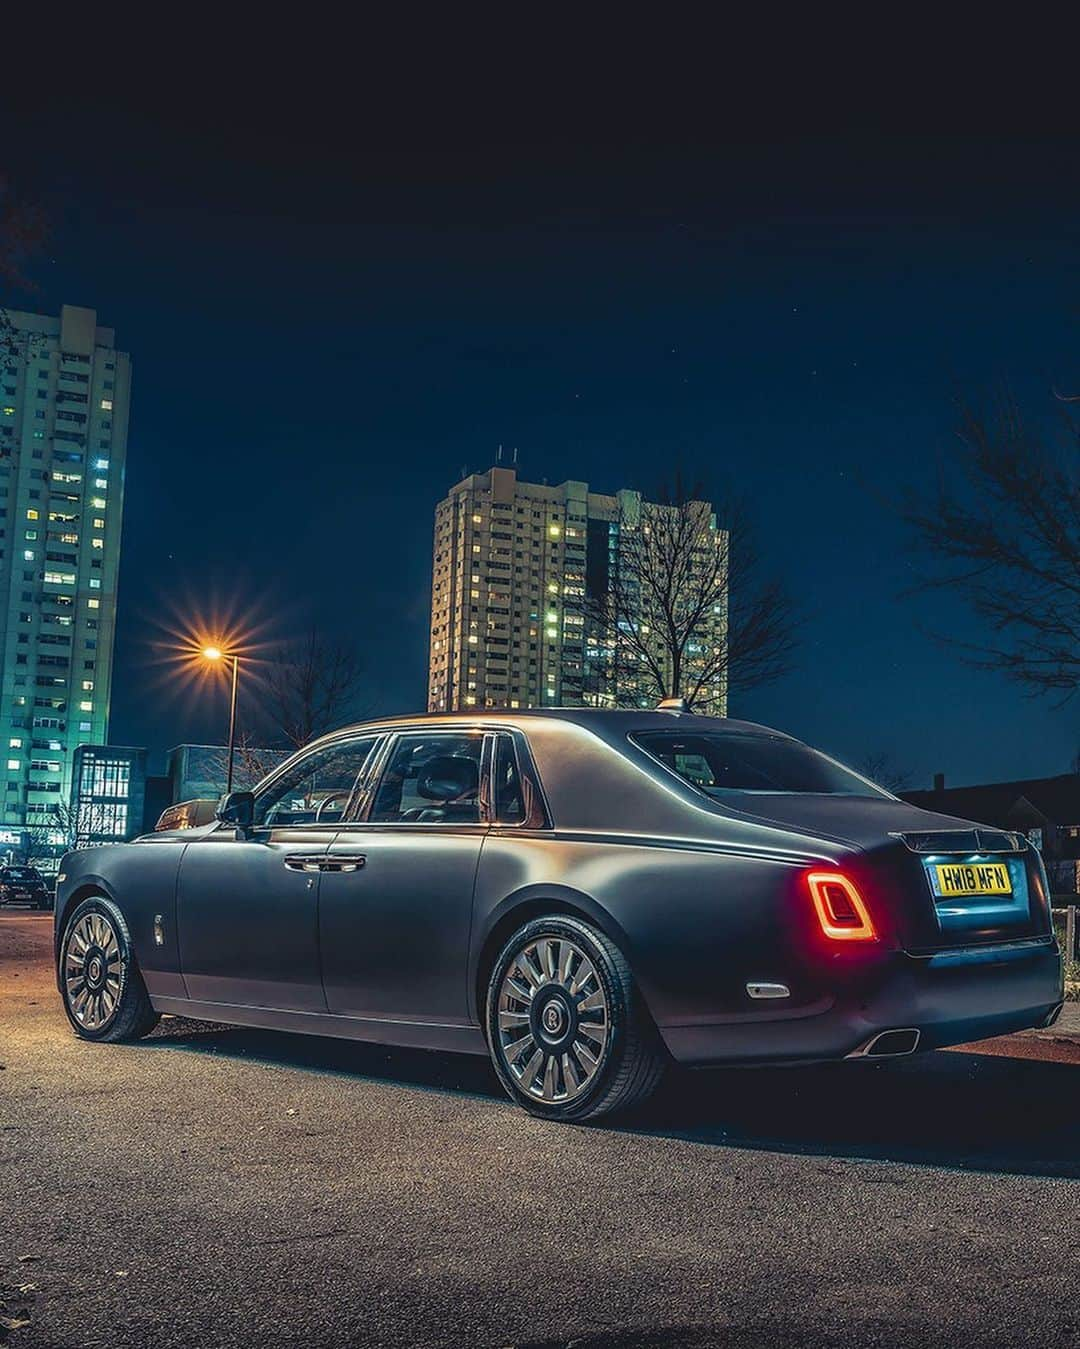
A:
840	909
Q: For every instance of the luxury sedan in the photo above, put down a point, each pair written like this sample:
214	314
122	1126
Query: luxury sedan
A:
23	885
584	895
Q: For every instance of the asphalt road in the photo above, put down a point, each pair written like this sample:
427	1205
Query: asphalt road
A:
218	1187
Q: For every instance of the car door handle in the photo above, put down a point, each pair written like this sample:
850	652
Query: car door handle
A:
344	862
300	861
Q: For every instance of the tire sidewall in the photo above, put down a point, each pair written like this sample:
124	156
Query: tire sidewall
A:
98	904
619	1010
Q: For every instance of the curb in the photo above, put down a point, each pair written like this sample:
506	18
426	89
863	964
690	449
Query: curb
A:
1067	1026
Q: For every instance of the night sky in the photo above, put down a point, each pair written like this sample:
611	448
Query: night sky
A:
340	291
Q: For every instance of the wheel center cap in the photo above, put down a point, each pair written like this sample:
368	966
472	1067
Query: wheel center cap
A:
554	1018
94	970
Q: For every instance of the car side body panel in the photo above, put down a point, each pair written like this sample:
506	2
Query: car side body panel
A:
741	909
141	880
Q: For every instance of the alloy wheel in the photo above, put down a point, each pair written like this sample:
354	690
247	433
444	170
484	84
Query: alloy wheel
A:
93	971
553	1019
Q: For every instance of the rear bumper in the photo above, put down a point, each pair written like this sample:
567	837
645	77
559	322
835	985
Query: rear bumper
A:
951	998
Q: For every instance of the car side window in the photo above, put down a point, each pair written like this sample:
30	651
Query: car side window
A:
316	787
509	800
430	779
516	792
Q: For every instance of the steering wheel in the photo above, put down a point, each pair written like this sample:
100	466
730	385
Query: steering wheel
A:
334	796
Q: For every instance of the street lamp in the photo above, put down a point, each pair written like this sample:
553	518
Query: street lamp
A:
215	654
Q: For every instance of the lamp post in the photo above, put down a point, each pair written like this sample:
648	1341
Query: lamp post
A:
215	653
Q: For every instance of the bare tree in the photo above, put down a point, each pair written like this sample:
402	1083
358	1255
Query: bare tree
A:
251	763
64	825
39	840
880	767
311	686
686	611
1001	529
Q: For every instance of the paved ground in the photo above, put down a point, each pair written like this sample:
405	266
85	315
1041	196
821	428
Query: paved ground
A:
219	1187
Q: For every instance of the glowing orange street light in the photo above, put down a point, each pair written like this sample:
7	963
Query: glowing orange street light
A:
215	654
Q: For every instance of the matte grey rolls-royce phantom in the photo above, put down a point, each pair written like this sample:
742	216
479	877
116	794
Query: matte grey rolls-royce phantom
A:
584	895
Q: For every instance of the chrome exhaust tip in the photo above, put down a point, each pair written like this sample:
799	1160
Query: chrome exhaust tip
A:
888	1044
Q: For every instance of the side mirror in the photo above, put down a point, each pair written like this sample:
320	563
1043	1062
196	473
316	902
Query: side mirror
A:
237	808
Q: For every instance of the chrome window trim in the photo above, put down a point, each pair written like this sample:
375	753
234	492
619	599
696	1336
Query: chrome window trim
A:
362	785
360	801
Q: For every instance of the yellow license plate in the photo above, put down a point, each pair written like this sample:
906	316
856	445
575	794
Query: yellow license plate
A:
973	878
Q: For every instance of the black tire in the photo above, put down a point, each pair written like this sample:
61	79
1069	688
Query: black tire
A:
631	1061
131	1015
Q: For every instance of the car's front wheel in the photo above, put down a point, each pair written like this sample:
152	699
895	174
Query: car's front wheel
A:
569	1036
103	992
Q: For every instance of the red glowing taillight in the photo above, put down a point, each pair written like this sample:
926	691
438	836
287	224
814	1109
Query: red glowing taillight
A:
840	909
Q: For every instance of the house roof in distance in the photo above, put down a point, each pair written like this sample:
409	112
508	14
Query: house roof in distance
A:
1056	800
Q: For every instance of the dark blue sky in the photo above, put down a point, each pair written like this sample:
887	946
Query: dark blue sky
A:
330	316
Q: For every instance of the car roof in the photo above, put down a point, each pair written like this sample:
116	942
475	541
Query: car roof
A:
605	722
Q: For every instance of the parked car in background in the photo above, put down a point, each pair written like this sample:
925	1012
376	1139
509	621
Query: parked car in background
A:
187	814
582	894
24	885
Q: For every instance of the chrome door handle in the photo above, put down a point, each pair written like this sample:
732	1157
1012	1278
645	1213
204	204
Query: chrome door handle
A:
299	861
344	862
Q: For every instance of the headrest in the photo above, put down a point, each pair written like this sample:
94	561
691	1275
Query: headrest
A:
447	776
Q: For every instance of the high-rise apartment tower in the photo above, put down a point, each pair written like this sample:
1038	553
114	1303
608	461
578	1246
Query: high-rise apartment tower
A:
64	396
516	569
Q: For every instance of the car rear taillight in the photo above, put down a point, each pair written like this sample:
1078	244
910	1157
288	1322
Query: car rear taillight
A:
840	909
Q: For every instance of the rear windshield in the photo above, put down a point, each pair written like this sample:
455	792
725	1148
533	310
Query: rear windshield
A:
722	762
20	873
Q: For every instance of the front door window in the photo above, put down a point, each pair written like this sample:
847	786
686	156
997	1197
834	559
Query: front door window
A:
316	788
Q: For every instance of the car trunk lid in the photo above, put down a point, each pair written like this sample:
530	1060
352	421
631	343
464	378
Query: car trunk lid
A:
937	880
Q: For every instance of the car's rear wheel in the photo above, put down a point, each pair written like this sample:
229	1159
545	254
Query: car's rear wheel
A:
569	1036
103	992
